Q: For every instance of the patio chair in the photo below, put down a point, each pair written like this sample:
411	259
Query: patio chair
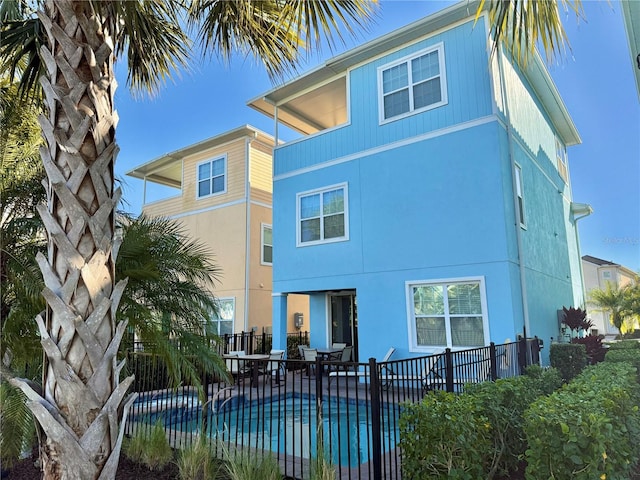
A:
274	367
309	355
235	365
359	373
339	345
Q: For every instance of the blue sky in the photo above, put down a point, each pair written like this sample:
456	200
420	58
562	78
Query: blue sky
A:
595	80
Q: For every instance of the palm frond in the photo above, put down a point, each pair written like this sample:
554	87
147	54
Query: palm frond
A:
275	32
18	428
522	24
150	33
21	36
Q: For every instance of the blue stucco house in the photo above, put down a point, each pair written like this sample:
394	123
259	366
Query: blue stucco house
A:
427	203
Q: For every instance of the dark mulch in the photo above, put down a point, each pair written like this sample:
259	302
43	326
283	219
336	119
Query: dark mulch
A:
128	470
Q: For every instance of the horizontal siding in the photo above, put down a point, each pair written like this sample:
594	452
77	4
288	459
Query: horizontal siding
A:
261	196
164	208
261	167
235	153
469	95
529	121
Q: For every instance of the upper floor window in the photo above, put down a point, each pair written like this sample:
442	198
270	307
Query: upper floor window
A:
412	84
447	313
520	195
212	176
322	215
267	245
561	159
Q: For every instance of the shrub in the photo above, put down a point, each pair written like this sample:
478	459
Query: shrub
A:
570	359
503	403
589	429
545	380
444	437
197	463
629	355
624	345
149	446
593	347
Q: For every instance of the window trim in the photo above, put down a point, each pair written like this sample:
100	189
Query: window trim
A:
439	47
519	193
300	195
411	324
225	175
262	244
218	320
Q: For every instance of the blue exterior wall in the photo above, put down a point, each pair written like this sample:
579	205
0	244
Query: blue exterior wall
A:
469	88
430	197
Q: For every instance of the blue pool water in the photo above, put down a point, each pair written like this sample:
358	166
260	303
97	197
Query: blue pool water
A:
287	425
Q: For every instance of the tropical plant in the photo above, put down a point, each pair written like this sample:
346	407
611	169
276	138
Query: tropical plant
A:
521	24
620	303
576	319
82	405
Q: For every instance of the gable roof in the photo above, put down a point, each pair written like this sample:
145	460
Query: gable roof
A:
296	111
167	169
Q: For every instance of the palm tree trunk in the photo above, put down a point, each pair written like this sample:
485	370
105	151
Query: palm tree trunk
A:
81	408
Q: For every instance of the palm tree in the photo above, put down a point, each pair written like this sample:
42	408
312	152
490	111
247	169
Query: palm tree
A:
524	23
616	301
81	408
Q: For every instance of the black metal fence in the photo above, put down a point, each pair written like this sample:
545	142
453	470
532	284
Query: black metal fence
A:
299	410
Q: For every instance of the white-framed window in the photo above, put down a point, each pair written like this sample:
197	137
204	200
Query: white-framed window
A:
266	257
222	322
520	195
561	159
322	215
212	177
447	313
412	84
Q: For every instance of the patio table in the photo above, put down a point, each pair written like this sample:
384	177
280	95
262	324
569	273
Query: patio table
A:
254	360
327	352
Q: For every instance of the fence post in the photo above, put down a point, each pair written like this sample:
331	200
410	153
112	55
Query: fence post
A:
376	436
494	361
522	354
535	353
448	369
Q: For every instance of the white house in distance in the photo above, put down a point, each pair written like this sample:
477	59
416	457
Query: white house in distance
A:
597	273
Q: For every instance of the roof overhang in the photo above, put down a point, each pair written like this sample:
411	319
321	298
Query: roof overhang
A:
327	81
167	169
545	88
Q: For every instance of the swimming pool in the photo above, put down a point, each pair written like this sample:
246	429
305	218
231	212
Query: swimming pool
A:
286	424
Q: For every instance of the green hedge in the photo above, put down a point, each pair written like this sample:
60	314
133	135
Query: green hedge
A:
568	358
590	429
477	434
446	436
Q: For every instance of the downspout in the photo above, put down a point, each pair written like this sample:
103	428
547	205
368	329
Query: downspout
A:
512	162
247	253
585	210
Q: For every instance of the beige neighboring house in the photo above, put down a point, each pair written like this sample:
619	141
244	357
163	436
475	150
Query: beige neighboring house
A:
597	273
224	198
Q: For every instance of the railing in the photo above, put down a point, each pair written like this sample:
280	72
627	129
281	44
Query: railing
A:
298	409
249	342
